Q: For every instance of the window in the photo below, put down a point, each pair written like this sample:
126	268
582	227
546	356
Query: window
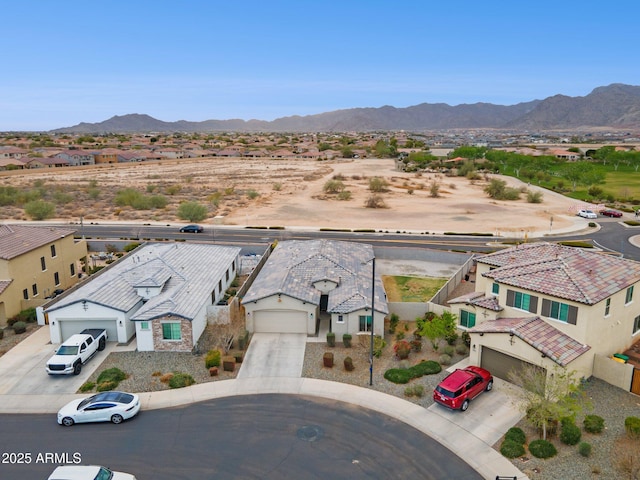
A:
72	269
629	296
144	325
25	294
226	274
56	278
53	251
467	319
340	319
364	323
607	307
495	289
43	264
560	311
636	325
523	301
171	331
34	289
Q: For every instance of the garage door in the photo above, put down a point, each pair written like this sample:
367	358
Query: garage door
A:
501	364
70	327
280	321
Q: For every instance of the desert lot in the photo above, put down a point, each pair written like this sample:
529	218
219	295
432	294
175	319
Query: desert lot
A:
289	192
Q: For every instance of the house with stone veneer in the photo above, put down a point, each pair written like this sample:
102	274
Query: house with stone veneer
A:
304	283
551	306
160	293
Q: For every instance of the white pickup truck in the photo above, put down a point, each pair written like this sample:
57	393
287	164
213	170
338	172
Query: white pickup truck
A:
76	351
90	472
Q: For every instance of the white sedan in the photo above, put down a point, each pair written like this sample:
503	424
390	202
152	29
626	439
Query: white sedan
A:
112	407
89	472
587	214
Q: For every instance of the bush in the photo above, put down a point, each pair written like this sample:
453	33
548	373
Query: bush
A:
19	327
632	426
512	449
331	339
416	345
516	434
180	380
87	386
378	345
542	449
398	375
39	209
213	358
466	338
348	364
462	349
114	375
449	350
570	433
402	349
131	246
393	322
451	338
346	340
585	449
444	359
106	386
426	367
593	424
414	391
26	316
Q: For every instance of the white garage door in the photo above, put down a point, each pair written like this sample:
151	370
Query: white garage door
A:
70	327
280	321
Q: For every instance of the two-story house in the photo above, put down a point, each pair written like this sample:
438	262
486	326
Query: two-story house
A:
550	305
35	262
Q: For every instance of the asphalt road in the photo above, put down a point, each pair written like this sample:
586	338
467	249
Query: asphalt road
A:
247	437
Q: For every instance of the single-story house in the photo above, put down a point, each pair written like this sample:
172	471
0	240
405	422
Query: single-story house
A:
307	282
551	306
159	292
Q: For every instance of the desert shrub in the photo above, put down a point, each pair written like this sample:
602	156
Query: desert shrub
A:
426	367
449	350
462	349
111	375
106	386
26	316
399	336
534	197
331	339
378	345
333	186
516	434
393	322
213	358
348	364
466	338
570	433
593	424
19	327
192	211
346	340
585	449
164	378
180	380
252	194
542	449
398	375
131	246
451	338
444	359
39	209
344	195
414	391
632	426
511	449
87	386
375	201
377	184
416	345
402	349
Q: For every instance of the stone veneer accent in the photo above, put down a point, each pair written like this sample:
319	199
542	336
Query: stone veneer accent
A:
185	344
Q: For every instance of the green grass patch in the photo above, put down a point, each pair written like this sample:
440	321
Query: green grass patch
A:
411	289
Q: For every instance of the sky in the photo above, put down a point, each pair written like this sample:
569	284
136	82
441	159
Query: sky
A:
72	61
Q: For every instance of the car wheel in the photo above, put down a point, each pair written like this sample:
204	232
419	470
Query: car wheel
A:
465	405
489	385
116	419
102	344
77	368
67	421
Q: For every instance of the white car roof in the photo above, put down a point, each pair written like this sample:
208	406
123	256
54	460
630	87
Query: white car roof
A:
75	472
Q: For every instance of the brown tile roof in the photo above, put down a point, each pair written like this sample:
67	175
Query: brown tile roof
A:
563	272
478	299
542	336
16	240
4	284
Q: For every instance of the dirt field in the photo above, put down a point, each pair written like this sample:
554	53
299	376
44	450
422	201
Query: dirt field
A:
289	192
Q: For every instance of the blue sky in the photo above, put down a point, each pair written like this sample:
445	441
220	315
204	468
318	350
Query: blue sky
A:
69	62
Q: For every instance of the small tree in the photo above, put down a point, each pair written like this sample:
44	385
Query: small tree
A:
435	327
192	211
377	184
39	209
548	398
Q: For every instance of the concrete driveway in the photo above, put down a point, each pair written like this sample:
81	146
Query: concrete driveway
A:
274	355
22	368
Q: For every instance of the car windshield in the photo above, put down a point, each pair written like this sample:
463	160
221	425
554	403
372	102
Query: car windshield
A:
67	350
87	401
104	474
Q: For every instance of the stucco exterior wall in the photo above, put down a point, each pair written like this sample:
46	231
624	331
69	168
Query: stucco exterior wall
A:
76	312
351	323
612	372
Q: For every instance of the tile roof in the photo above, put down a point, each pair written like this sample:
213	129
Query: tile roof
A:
478	299
16	240
187	272
4	284
542	336
563	272
294	266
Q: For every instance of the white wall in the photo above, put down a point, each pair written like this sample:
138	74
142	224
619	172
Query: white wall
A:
76	312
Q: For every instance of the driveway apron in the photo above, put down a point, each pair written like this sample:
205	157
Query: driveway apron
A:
274	355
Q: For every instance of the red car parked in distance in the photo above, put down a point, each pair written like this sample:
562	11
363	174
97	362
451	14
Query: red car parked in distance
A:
462	386
611	213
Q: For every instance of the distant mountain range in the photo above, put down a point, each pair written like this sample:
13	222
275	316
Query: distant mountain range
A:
614	106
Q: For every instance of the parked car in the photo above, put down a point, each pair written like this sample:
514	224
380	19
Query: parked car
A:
611	213
88	472
587	214
77	350
191	229
114	407
462	386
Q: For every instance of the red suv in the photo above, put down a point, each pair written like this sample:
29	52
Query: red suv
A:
461	386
